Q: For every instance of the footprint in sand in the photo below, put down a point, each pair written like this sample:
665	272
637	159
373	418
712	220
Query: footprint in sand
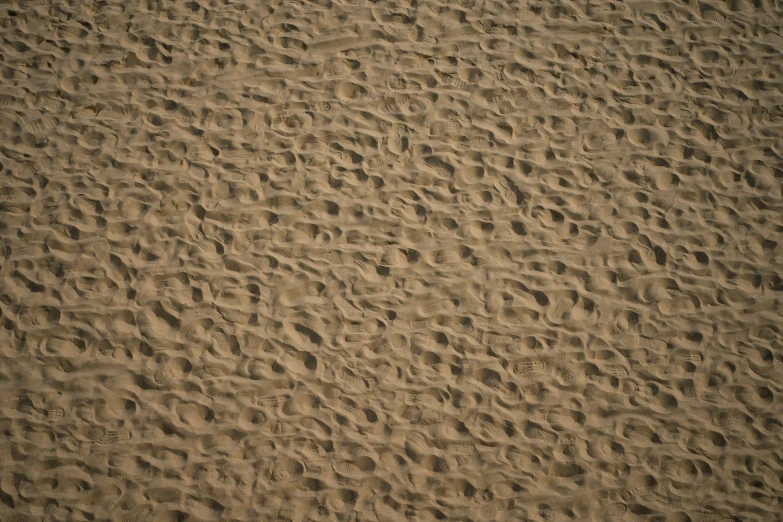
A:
299	362
41	125
250	419
114	408
360	467
485	423
565	306
678	305
63	347
354	382
170	369
393	344
728	419
113	437
195	415
421	399
438	307
711	444
531	367
286	470
302	293
443	127
655	399
302	404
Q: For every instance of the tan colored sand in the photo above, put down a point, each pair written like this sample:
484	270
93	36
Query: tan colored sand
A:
356	261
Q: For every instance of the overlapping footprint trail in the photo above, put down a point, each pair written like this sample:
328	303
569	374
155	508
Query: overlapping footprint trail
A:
354	260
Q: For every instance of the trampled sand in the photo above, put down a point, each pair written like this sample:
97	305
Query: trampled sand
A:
354	261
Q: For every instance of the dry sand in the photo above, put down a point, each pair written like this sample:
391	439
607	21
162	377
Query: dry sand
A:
356	261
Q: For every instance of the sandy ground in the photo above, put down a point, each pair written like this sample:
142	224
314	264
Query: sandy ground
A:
356	261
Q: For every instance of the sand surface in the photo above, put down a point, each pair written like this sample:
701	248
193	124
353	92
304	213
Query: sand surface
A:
383	261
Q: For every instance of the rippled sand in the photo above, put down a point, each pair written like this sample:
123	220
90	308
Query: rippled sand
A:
355	261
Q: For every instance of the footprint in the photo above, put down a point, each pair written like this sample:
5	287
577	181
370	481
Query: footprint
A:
274	402
286	470
224	345
172	370
323	107
686	471
195	415
418	443
713	16
388	106
395	343
369	327
251	419
466	450
346	90
563	306
348	407
769	475
421	399
491	510
302	404
114	408
302	292
640	434
656	400
725	419
774	39
299	362
616	370
45	101
710	444
597	140
485	422
147	293
53	414
679	305
11	103
113	437
42	124
477	144
236	154
63	347
529	367
353	381
506	107
436	373
615	510
562	419
27	251
438	307
359	467
684	356
639	487
442	127
382	160
398	84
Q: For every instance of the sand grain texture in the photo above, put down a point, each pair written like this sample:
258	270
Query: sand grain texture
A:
343	260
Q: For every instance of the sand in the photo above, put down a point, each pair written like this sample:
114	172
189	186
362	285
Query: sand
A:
384	261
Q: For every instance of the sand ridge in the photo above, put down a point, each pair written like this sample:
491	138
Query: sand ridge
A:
350	260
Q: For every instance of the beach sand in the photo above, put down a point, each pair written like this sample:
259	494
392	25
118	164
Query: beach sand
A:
381	261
